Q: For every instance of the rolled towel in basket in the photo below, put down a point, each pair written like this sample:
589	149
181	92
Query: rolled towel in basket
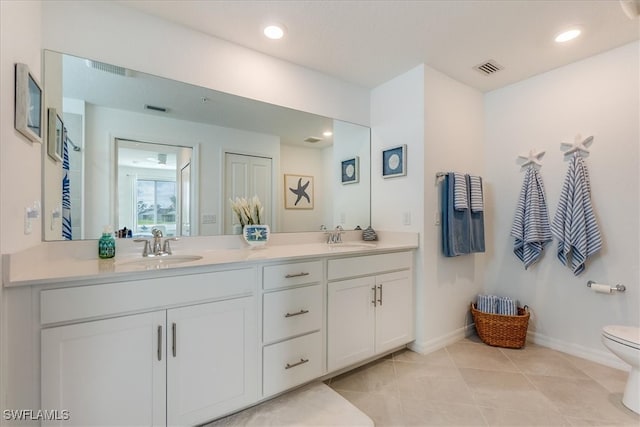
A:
487	303
507	306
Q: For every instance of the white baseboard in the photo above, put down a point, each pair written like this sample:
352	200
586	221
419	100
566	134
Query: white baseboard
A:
598	356
603	357
430	346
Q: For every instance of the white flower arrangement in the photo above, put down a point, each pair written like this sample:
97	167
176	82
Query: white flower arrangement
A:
249	212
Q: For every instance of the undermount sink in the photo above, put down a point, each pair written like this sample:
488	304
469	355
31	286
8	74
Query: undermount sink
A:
161	261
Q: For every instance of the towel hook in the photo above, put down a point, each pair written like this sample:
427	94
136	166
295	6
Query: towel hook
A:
579	145
533	158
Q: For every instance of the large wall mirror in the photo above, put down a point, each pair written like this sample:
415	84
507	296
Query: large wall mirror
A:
144	152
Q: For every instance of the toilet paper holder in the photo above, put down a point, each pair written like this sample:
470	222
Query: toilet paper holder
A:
617	288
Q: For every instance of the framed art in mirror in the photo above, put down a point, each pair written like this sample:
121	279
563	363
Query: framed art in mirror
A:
54	135
394	162
28	104
350	170
298	191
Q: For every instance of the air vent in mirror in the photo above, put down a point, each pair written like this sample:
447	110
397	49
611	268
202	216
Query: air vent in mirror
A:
312	139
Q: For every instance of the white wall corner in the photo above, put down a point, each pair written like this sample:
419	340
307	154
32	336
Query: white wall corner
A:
429	346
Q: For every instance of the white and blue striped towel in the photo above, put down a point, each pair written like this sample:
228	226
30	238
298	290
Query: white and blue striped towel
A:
475	186
507	306
531	223
460	195
574	224
487	303
494	304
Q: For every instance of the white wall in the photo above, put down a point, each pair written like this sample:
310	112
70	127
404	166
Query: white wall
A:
110	32
453	142
19	165
397	117
598	96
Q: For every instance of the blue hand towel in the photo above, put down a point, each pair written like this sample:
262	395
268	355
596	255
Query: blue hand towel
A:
531	223
574	224
462	230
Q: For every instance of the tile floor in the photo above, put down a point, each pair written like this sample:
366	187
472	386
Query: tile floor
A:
471	384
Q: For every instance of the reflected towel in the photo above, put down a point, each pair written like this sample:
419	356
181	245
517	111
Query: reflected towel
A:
574	224
67	232
531	223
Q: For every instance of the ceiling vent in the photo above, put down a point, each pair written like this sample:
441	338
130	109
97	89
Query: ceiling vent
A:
108	68
156	108
488	68
312	139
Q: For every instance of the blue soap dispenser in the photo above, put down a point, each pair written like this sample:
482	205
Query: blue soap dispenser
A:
107	244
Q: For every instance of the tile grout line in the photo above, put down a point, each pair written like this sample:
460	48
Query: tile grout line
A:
473	394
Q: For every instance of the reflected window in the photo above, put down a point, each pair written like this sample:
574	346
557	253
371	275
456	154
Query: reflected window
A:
156	206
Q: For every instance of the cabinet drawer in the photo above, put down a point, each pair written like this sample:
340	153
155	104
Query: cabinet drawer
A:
299	273
369	264
70	304
292	312
290	363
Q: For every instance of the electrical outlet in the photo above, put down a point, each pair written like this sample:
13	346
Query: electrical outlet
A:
209	219
436	218
406	218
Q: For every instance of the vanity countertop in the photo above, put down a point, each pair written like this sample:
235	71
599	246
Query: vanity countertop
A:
77	262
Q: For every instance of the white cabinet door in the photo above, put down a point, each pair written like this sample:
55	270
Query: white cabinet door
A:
394	311
212	360
351	322
107	372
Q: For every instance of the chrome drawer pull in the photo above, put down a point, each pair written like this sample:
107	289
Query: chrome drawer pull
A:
296	314
375	293
380	299
173	336
291	276
301	362
159	342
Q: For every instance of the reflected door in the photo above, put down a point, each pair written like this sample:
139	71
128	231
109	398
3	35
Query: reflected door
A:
246	176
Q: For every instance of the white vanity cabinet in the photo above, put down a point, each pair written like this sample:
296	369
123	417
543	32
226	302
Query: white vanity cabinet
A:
370	313
106	371
292	325
175	366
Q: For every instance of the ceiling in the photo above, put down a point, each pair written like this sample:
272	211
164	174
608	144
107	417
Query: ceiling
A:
370	42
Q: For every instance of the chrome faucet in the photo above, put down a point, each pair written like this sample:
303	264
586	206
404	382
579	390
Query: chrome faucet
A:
335	236
157	247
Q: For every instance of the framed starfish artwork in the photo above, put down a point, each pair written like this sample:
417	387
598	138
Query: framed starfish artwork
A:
298	191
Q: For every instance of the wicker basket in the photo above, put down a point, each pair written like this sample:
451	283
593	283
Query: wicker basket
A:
502	331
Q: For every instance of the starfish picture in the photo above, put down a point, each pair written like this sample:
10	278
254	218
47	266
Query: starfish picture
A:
301	191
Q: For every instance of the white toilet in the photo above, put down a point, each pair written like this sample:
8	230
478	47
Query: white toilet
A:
624	342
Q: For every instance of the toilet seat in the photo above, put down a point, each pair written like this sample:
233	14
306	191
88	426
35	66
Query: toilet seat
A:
625	335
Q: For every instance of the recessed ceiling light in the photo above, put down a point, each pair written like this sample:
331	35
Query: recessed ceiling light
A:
565	36
274	31
327	133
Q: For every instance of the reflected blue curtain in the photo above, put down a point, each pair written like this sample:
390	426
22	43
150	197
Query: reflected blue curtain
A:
67	233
